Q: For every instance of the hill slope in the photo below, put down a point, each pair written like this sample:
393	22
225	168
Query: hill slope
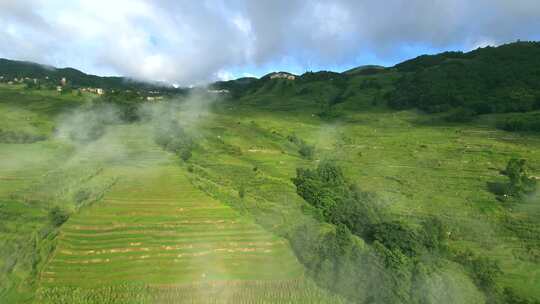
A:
487	80
377	204
11	69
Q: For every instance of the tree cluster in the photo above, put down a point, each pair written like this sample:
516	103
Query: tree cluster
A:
365	242
520	182
488	80
339	260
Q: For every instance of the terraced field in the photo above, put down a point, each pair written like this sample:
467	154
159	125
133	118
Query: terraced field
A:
146	227
154	231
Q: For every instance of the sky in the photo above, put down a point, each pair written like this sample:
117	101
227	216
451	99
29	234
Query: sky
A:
191	42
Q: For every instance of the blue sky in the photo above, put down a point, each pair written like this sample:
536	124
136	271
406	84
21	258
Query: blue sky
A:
193	42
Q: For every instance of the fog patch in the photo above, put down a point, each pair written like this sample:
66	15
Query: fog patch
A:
86	125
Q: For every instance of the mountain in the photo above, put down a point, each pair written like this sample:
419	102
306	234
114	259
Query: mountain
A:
365	70
487	80
11	69
289	184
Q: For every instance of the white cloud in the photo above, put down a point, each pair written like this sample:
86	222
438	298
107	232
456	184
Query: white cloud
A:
191	42
224	75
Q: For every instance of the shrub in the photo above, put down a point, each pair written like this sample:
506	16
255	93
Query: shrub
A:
520	182
306	151
58	216
484	271
294	139
520	123
510	297
242	192
185	154
81	196
434	234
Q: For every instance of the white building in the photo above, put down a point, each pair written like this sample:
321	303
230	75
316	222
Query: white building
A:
222	91
282	76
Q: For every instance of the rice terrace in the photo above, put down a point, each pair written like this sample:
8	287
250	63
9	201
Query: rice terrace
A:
276	152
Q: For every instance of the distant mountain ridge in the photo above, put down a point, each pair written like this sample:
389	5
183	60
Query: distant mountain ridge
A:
11	69
364	69
487	80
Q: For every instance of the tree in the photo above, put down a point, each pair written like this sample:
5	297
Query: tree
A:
396	236
521	182
57	216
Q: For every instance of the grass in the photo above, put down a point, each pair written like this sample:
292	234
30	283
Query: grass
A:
417	170
299	291
154	229
141	225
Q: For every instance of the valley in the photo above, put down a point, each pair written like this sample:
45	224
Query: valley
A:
313	189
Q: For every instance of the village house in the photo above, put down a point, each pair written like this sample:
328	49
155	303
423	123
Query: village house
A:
222	91
154	98
98	91
282	76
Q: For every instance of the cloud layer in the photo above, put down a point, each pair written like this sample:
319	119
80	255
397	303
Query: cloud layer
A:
190	42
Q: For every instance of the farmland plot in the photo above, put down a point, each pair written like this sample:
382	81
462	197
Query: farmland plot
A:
154	237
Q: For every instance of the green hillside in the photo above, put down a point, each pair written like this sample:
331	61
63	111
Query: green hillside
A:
13	69
376	185
487	80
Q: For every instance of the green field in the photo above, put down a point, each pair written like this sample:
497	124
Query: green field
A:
417	170
148	227
144	231
154	227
